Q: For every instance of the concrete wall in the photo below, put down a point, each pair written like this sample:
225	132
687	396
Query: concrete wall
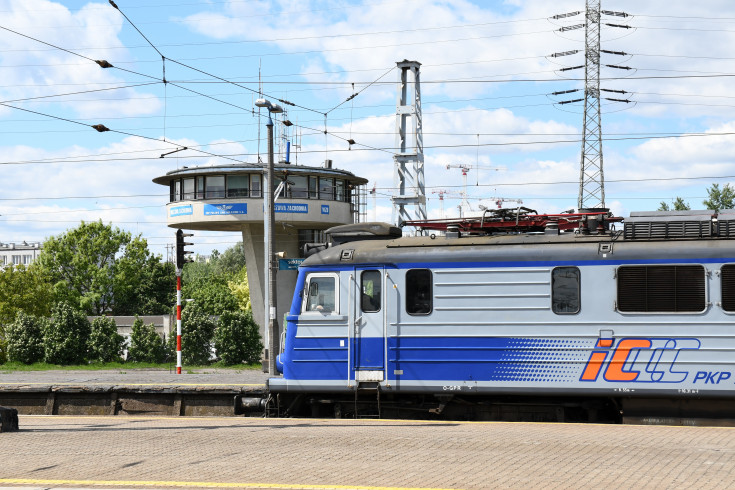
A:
287	240
162	323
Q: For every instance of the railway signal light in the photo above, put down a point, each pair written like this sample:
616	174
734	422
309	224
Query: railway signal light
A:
181	252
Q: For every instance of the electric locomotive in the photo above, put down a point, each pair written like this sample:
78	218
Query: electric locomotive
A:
517	317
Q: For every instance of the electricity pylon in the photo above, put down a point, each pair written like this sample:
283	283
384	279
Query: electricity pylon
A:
591	174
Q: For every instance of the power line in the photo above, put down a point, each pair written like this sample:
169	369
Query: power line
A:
81	92
443	185
287	39
390	150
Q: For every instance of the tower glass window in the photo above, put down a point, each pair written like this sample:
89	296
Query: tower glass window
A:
237	186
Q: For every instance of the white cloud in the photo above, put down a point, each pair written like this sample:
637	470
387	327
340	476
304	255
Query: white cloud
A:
32	69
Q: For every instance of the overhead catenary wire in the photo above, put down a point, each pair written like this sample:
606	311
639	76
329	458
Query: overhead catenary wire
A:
440	186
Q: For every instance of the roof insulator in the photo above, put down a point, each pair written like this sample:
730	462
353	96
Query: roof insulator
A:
569	14
565	91
565	53
621	53
616	14
571	28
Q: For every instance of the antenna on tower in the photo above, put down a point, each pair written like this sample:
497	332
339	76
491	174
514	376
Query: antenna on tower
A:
408	176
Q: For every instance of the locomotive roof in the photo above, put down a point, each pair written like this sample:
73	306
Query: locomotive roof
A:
531	247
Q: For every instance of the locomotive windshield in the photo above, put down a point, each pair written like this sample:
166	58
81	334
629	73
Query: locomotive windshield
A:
321	293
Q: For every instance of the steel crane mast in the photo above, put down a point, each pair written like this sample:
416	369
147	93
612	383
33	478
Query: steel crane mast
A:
408	178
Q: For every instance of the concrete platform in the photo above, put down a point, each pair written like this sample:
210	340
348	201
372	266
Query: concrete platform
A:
128	392
161	452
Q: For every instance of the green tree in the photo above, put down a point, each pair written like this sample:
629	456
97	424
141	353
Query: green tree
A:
197	335
237	339
25	339
145	344
240	289
26	289
232	260
65	336
101	269
208	287
677	204
105	344
720	199
143	284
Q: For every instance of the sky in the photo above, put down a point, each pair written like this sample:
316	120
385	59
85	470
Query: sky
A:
487	79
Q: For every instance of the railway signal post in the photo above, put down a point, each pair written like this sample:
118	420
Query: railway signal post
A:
181	259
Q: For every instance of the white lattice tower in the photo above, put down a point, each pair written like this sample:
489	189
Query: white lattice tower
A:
591	176
408	178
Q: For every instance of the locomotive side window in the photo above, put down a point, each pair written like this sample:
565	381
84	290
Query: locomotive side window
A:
321	293
661	288
370	287
727	279
418	292
565	290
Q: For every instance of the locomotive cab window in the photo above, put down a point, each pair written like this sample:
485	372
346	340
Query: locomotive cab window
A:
371	291
661	289
418	292
565	290
727	281
321	293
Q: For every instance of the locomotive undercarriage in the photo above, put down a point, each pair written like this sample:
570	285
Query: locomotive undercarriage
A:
374	404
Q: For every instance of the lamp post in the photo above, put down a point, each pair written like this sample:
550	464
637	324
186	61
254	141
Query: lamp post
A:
269	224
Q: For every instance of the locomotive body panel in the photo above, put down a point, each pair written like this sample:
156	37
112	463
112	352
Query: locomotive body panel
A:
517	314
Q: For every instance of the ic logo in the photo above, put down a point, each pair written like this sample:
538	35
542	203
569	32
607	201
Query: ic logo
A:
638	360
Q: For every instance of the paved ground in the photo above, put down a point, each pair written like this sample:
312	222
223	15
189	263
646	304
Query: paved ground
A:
127	377
124	452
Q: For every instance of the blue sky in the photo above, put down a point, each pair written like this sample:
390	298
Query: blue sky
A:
486	78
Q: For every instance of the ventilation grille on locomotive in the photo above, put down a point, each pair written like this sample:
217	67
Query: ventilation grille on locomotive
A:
669	224
726	223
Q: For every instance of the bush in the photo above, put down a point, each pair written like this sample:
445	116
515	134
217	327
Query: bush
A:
25	339
197	333
65	336
105	344
145	344
237	339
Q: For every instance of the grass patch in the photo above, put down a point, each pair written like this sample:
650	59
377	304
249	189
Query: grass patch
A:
121	367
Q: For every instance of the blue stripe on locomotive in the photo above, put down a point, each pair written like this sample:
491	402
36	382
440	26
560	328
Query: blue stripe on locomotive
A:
443	358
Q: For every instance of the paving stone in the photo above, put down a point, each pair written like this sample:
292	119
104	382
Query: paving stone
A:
278	453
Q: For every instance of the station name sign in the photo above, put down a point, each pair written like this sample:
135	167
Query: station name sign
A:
223	209
180	210
289	264
290	208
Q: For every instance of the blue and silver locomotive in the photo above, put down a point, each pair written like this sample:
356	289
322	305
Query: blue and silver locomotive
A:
573	322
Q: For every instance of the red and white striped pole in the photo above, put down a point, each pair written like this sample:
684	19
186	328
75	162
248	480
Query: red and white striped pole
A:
178	321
